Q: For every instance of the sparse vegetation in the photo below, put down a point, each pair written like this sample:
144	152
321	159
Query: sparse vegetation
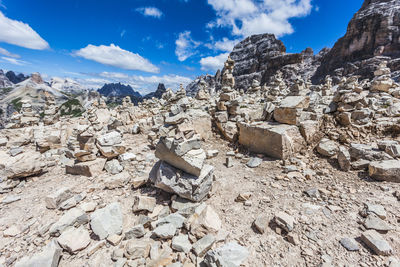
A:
17	104
4	91
72	107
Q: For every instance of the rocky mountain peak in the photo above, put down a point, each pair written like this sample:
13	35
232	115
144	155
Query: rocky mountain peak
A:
35	77
373	31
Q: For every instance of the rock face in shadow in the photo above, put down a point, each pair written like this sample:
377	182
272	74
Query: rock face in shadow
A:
373	31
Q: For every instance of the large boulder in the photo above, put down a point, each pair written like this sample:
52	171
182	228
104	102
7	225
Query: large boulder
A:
24	165
275	140
90	169
48	257
107	221
385	170
229	255
172	180
290	109
186	155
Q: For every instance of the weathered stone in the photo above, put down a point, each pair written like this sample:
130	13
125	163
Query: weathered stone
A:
117	181
175	218
165	231
201	247
375	209
350	244
172	180
110	139
290	108
113	167
48	257
310	130
274	140
185	156
107	221
205	222
228	255
376	223
137	248
89	169
181	243
143	203
12	231
137	231
254	162
367	152
24	165
376	243
74	216
74	239
386	170
344	159
54	200
284	221
261	223
327	148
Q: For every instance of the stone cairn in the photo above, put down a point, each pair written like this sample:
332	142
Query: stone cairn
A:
228	104
50	113
25	117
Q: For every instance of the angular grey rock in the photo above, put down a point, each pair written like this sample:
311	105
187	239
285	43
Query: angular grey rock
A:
289	110
376	243
175	218
327	148
375	223
137	231
284	221
110	139
275	140
186	156
172	180
143	203
10	199
74	216
48	257
350	244
367	152
113	167
344	159
74	239
165	231
181	243
107	221
137	248
54	200
375	209
229	255
25	165
386	170
254	162
202	245
261	223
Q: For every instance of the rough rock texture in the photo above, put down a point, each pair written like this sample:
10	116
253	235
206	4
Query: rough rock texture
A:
373	31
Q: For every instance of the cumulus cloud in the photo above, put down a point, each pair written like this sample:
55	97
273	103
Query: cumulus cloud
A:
5	52
185	46
113	55
213	63
150	12
247	17
225	45
14	61
20	34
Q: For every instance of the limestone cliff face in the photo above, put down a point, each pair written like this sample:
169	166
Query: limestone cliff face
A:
373	31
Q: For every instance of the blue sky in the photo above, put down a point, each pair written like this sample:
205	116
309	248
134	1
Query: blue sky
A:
143	42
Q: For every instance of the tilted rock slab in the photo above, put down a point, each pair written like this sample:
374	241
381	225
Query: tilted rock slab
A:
385	170
172	180
274	140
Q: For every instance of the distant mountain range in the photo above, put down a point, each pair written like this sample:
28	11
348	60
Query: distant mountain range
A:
116	91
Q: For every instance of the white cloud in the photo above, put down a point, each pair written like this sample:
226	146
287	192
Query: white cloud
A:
4	52
123	33
247	17
150	12
114	75
113	55
21	34
213	63
225	45
14	61
185	46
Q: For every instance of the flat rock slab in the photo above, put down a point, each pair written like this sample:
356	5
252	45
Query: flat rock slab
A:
350	244
172	180
74	239
279	141
107	221
231	254
376	243
89	169
386	170
48	257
